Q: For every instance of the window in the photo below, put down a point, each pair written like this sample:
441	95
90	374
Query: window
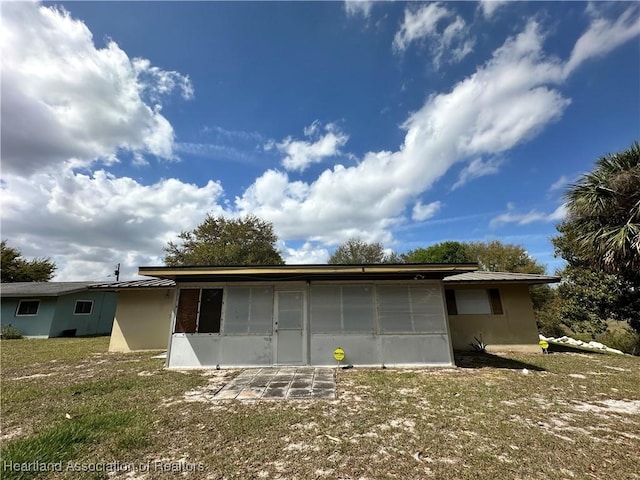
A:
410	309
342	308
199	310
187	314
210	310
474	302
28	307
83	307
249	310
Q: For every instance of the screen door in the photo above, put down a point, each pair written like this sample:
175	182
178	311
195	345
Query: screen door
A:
289	328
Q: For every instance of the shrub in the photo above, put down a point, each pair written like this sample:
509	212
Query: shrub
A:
548	319
624	339
9	332
478	345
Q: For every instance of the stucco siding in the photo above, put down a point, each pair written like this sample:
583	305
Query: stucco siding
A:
514	330
142	320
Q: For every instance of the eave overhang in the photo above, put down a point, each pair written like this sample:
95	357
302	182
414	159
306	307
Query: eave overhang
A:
290	273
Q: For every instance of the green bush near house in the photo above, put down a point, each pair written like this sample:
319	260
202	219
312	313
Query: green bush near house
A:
9	332
621	337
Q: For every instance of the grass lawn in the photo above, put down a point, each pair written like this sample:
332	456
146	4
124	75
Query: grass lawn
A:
70	405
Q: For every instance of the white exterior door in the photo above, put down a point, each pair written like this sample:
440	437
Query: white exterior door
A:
289	328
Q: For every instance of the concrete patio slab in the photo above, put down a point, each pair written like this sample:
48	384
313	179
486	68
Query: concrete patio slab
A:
281	383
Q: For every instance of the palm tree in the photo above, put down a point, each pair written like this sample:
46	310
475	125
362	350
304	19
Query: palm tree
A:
604	212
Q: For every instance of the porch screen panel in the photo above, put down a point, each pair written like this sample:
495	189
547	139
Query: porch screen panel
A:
187	313
210	310
261	314
394	309
426	308
357	308
237	309
325	309
249	310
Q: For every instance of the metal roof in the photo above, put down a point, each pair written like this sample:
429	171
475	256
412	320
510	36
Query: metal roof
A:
502	277
308	272
41	289
146	283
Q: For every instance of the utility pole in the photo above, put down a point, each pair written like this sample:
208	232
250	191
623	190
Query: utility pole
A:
117	273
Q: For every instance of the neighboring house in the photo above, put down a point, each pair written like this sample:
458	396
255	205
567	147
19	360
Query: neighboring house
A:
56	309
408	314
143	314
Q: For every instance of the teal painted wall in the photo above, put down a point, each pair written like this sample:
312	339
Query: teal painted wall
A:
99	321
55	315
32	325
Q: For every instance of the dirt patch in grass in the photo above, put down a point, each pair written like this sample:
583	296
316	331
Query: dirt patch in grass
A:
569	416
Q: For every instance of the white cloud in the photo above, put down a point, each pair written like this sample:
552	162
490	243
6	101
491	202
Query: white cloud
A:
358	7
63	98
507	101
489	7
424	212
563	182
511	216
477	168
301	153
89	222
92	222
307	254
241	135
604	35
423	24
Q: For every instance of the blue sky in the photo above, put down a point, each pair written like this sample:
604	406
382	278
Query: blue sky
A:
405	123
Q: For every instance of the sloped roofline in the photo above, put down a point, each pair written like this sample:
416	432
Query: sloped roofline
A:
136	284
166	277
42	289
500	277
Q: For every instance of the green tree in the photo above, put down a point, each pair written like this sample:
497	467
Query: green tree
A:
357	251
445	252
496	256
590	298
15	268
600	241
222	241
603	215
590	295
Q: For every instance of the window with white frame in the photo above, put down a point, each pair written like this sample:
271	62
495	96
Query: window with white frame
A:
342	308
474	301
410	309
249	310
83	307
27	307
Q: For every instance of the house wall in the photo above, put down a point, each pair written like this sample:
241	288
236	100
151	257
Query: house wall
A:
98	322
514	330
371	348
142	320
29	325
